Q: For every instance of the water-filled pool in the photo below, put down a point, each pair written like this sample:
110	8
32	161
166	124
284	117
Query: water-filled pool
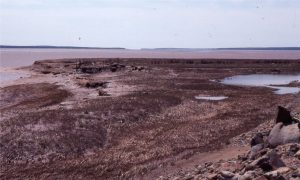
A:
211	98
276	82
10	76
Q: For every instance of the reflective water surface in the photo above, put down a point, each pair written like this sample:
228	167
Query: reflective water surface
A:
10	76
211	98
277	82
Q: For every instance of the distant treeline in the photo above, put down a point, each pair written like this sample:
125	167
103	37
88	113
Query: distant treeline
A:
57	47
262	48
211	49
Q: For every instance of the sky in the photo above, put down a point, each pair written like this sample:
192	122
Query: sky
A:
138	24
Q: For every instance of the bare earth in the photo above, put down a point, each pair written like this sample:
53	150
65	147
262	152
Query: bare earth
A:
130	118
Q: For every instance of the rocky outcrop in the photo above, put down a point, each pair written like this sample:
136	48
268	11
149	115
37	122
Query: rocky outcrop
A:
284	116
273	156
286	129
93	84
94	67
281	134
102	93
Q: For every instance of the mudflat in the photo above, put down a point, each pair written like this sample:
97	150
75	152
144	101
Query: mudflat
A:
118	118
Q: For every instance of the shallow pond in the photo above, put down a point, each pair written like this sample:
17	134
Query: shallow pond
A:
211	98
10	76
276	82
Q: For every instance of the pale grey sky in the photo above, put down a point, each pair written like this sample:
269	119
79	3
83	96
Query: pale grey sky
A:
151	23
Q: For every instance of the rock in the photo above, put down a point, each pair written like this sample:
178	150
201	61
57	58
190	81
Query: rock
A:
46	72
257	139
242	157
141	68
294	148
257	162
274	160
284	116
261	178
198	177
297	155
276	174
250	167
236	177
281	134
247	176
96	84
296	174
207	164
283	170
277	71
102	93
268	162
255	150
188	177
227	174
212	176
90	70
115	67
219	177
271	174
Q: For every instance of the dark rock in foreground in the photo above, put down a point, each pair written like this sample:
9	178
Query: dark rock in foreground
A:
272	157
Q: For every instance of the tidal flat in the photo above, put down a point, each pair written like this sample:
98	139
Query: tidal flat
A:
118	118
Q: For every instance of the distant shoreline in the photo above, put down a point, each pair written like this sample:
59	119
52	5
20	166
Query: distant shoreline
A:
226	49
150	49
55	47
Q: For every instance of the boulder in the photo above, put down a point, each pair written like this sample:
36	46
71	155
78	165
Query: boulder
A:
257	139
212	176
249	175
281	134
96	84
275	160
296	174
227	174
277	174
294	148
255	150
268	162
297	155
102	93
261	178
284	116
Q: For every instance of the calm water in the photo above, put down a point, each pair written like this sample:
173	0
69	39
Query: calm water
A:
16	57
266	80
211	98
10	76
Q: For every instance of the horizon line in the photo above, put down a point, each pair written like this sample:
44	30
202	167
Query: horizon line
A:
158	48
